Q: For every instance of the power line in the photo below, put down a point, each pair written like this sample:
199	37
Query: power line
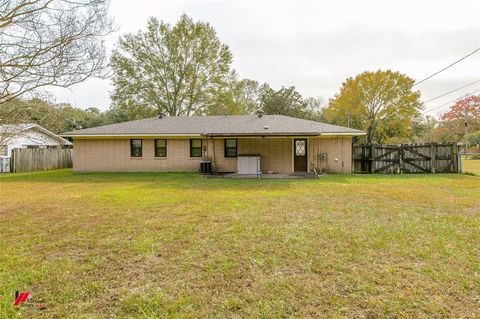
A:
463	58
455	90
457	99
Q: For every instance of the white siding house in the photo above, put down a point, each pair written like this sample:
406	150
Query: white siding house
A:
25	136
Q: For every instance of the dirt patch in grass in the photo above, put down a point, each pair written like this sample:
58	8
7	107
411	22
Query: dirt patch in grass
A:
178	245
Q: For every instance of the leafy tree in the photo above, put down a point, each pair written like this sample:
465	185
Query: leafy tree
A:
238	97
31	111
178	69
473	139
314	109
444	132
382	103
247	94
127	112
424	129
452	126
57	118
74	118
289	102
470	105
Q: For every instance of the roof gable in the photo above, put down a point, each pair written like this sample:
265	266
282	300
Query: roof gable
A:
21	130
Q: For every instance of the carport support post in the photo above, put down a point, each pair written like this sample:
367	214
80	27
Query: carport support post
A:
261	155
213	151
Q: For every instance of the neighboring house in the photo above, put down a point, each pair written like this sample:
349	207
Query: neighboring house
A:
282	144
25	136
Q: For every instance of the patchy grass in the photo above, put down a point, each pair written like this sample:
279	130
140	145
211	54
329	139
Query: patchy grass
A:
180	246
471	166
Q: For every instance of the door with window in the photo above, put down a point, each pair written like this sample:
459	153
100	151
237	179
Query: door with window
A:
300	155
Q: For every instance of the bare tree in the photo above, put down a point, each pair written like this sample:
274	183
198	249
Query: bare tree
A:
50	43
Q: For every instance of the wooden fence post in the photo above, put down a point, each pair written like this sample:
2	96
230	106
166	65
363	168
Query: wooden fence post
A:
459	162
454	158
12	162
372	158
401	164
433	152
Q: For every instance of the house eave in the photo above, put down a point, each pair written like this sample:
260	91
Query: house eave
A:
344	134
275	134
128	136
210	135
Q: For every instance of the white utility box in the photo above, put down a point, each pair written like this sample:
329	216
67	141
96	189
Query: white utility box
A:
248	164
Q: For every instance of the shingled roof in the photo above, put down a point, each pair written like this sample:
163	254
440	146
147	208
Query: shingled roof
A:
229	125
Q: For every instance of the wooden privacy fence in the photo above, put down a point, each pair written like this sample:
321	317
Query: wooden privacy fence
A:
40	159
407	158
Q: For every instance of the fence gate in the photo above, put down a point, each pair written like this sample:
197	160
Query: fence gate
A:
417	158
407	158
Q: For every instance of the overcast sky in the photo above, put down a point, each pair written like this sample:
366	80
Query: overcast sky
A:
316	45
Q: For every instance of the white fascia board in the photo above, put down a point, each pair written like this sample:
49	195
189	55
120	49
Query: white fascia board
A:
50	133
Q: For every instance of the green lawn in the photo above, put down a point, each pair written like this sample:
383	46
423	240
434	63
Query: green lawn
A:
471	166
175	245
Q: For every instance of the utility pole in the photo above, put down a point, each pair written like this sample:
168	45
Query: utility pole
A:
465	115
348	119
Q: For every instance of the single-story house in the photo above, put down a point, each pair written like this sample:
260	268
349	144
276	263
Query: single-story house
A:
277	143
